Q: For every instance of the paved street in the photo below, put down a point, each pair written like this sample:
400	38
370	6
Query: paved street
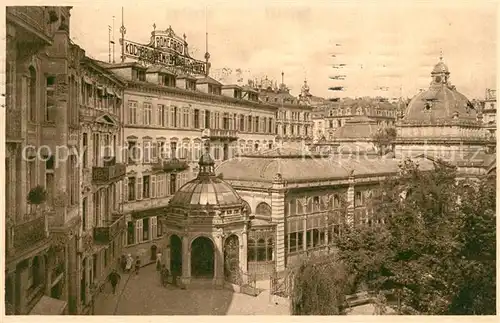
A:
143	295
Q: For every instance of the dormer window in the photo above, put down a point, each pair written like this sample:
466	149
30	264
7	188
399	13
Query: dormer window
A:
168	80
138	75
237	94
190	85
213	89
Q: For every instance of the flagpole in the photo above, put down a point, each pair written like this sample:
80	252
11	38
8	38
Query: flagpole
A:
123	31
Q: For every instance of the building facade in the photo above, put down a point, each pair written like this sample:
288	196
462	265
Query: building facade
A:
489	110
102	233
41	179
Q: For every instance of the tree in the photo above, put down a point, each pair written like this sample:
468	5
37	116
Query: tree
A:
319	288
383	139
436	247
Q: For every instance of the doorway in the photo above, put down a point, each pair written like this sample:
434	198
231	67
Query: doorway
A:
154	252
226	152
202	258
176	255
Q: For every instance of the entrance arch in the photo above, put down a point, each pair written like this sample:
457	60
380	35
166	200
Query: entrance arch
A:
202	258
232	259
175	255
154	252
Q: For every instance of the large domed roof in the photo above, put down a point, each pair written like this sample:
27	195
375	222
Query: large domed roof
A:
440	103
206	189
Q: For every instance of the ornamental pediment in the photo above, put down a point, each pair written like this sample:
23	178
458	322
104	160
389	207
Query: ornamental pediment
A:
107	119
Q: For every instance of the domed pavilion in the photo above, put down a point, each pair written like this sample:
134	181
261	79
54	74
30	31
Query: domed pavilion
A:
206	224
440	122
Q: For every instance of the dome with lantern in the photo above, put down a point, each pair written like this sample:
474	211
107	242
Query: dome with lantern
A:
206	193
441	103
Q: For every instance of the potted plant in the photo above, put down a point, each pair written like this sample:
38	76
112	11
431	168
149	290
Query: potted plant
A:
37	195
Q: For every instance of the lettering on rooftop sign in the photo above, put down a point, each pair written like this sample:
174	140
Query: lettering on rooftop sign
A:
165	49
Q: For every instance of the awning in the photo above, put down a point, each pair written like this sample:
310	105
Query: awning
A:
100	87
110	91
118	95
49	306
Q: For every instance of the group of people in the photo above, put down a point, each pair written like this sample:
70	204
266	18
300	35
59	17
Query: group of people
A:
164	273
127	261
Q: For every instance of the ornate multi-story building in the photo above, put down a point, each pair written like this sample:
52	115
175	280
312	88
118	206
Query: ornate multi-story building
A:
42	187
336	114
100	100
167	113
294	126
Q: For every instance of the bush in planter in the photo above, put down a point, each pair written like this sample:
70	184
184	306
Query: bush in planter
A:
37	195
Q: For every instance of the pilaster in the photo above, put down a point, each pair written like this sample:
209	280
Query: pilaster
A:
186	266
350	199
219	260
278	217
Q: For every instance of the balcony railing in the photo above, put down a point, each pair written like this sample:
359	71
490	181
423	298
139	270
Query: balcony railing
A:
30	233
110	172
106	234
57	271
220	134
171	165
37	18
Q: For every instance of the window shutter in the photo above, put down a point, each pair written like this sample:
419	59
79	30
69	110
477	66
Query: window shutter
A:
139	188
154	152
138	231
167	184
153	186
154	227
154	119
159	185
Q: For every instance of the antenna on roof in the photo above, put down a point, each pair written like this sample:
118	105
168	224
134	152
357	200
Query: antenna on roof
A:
113	39
207	54
109	44
123	31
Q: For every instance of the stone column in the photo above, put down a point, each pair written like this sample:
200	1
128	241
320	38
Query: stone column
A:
186	257
243	253
219	260
278	217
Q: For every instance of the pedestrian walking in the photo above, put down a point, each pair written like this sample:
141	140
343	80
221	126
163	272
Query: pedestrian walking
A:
114	278
137	265
129	263
164	276
158	263
123	262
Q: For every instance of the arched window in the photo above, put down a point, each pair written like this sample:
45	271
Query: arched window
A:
270	249
251	250
263	209
261	250
31	93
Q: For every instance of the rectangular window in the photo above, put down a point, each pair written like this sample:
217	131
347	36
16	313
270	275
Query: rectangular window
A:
85	152
84	214
207	119
132	112
130	233
358	199
173	149
131	188
147	152
145	229
96	151
161	115
146	186
147	114
50	113
196	123
185	118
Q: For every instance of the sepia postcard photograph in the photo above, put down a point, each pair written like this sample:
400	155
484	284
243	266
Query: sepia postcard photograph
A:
292	158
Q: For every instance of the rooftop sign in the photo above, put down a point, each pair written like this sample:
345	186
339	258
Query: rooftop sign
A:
165	49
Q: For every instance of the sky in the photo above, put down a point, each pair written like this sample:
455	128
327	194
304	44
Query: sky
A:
391	45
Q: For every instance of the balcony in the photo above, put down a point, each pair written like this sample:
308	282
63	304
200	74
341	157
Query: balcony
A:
171	165
109	173
35	22
30	233
106	234
220	134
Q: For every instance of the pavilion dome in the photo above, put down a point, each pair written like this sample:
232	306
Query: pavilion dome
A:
440	103
206	189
